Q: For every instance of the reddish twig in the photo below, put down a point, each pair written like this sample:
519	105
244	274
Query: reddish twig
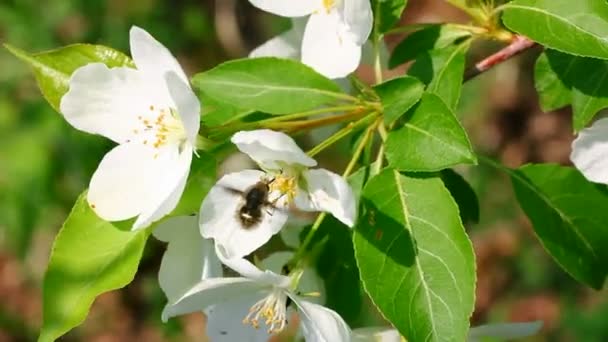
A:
517	46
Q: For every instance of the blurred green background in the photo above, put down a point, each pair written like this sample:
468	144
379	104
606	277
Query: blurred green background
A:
45	164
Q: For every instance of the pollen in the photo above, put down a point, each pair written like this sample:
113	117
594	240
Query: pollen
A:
329	4
285	185
160	127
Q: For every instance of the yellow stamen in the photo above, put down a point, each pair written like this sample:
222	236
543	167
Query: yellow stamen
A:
328	4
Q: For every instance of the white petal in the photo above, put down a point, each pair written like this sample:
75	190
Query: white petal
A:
188	107
285	45
331	193
108	101
504	331
590	152
359	17
213	291
376	334
267	147
248	270
288	8
320	324
169	186
152	57
328	46
219	218
188	259
224	322
134	179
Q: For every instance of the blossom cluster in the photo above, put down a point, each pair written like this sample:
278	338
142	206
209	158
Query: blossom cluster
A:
153	115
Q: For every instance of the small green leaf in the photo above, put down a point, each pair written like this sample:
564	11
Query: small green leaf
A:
463	194
434	37
53	68
569	216
442	71
268	84
431	139
89	257
386	14
398	95
415	259
558	81
201	178
577	27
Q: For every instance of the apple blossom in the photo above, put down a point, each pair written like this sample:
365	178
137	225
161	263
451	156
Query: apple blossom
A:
257	298
331	39
291	184
153	115
188	258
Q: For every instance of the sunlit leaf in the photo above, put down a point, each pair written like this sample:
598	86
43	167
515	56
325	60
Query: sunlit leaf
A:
415	259
89	257
268	84
430	140
577	27
53	68
398	95
442	71
434	37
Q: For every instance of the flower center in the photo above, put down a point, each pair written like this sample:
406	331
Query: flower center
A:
159	127
272	310
329	4
285	185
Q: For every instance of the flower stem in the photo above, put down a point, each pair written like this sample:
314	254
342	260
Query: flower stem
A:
351	127
349	168
313	112
377	63
380	156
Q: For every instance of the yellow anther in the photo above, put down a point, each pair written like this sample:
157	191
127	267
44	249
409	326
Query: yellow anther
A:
329	4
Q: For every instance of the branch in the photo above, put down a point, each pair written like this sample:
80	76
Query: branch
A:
517	46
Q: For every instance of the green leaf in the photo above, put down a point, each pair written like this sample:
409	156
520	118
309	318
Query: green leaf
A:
577	27
415	259
442	71
430	140
215	113
337	267
569	216
559	82
434	37
89	257
201	178
398	95
386	14
53	68
268	84
463	194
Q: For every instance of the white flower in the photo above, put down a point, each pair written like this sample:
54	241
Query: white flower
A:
331	39
503	331
290	183
153	114
590	152
259	299
188	258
